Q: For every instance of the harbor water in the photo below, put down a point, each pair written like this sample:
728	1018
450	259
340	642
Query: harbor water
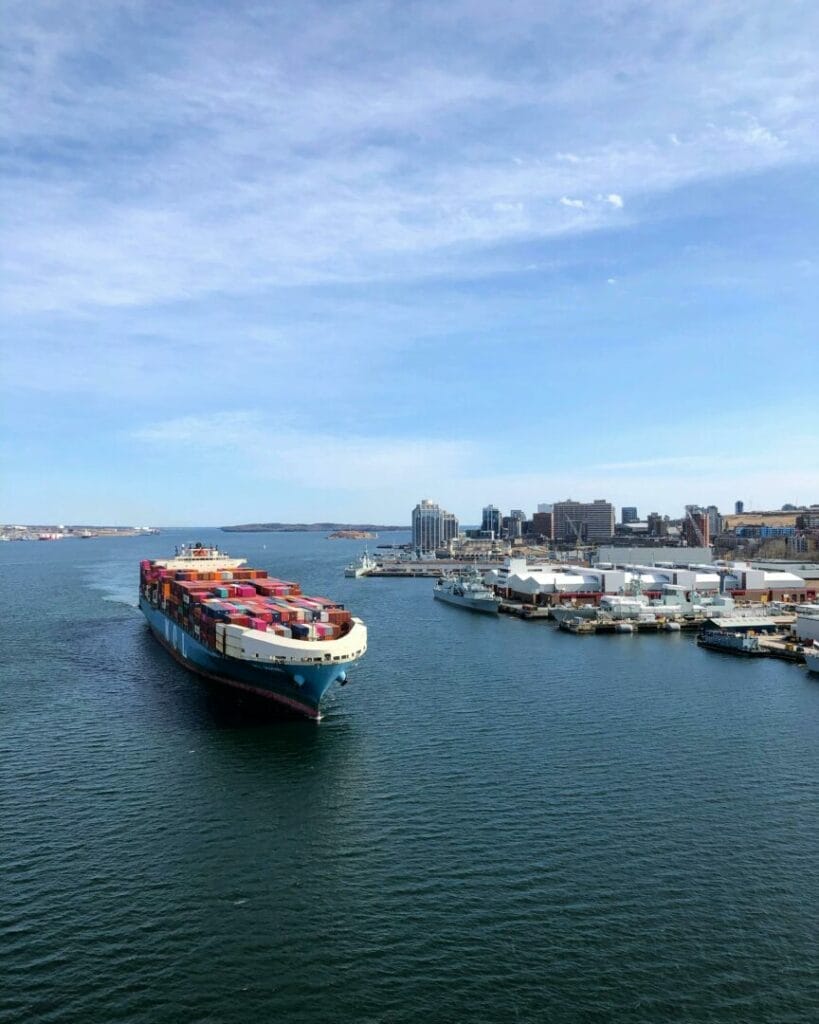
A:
494	822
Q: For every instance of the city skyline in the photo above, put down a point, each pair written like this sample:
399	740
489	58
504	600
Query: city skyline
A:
307	264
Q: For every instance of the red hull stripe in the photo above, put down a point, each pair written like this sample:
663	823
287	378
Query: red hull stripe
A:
295	705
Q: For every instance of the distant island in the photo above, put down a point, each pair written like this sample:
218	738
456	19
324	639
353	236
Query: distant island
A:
343	528
352	535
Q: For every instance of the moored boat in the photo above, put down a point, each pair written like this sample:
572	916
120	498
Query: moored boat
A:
363	567
467	590
731	642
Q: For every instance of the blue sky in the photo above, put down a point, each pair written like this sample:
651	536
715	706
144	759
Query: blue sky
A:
316	261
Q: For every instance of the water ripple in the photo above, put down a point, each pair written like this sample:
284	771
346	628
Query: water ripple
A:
494	822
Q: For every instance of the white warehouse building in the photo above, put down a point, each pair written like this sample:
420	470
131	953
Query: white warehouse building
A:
554	581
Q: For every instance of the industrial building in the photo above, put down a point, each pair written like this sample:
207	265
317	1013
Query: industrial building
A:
555	583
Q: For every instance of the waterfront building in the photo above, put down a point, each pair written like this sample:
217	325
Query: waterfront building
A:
651	555
688	581
432	526
628	514
491	521
583	522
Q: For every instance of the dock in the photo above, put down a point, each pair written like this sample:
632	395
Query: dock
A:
587	627
431	570
784	648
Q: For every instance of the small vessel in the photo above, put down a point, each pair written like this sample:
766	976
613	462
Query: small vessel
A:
467	590
247	630
732	642
812	660
363	567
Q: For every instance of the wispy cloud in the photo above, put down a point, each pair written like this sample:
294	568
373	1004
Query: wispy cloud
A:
267	448
166	157
391	473
697	462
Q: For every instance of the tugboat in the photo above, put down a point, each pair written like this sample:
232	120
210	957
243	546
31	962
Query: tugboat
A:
467	590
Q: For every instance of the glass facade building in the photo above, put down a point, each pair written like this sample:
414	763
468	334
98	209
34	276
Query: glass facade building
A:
432	526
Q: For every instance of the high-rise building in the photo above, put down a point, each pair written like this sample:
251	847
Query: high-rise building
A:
695	528
715	523
657	525
628	514
739	508
544	506
491	521
432	526
542	524
577	521
517	517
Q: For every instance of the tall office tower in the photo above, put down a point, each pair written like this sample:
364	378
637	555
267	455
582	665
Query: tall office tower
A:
578	522
491	521
432	526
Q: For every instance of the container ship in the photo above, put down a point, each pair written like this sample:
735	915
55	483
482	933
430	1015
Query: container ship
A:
245	629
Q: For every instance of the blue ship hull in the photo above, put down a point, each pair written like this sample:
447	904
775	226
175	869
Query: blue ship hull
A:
273	682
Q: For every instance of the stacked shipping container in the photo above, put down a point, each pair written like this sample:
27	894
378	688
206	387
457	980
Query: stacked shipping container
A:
197	601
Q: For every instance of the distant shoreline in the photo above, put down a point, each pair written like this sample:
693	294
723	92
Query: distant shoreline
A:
312	528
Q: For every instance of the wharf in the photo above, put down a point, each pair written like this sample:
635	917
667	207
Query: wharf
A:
587	627
782	647
420	571
524	611
779	646
426	570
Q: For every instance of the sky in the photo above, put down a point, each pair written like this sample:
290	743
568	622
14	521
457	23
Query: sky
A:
316	261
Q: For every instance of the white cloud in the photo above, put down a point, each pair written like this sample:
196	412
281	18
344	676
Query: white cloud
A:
239	157
269	448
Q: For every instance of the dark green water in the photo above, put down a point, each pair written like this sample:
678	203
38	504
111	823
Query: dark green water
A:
495	821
